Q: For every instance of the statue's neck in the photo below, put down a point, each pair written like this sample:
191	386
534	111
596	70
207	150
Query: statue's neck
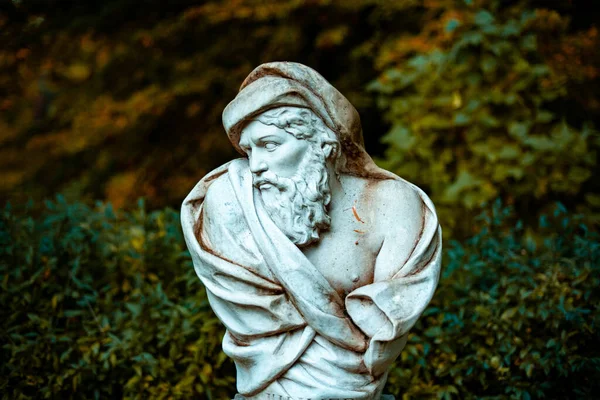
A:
336	187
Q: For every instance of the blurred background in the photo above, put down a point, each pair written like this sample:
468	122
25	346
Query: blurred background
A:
110	112
471	100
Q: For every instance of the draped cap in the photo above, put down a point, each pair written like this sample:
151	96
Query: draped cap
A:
279	84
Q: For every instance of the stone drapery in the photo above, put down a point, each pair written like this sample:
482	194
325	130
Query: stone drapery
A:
288	331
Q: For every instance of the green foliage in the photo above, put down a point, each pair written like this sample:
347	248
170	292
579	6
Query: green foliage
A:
480	98
100	100
478	101
103	304
516	316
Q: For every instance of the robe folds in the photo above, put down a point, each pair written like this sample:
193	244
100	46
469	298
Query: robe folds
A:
288	331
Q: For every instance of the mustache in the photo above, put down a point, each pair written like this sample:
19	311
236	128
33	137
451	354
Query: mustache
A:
268	177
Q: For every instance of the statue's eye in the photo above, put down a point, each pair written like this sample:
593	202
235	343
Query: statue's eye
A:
270	146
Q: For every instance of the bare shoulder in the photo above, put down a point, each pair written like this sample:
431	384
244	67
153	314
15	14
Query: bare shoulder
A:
399	208
400	214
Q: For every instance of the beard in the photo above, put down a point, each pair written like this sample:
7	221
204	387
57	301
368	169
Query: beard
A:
298	205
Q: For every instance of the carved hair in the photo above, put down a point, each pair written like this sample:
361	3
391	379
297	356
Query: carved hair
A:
303	123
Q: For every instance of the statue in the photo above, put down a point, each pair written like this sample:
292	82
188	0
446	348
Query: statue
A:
316	261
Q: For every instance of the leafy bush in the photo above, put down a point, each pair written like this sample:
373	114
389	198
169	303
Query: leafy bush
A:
98	304
480	98
124	103
478	103
515	316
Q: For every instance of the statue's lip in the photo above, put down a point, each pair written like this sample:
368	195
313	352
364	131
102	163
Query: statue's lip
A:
265	185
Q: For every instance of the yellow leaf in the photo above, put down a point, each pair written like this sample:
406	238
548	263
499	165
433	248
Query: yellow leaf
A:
78	72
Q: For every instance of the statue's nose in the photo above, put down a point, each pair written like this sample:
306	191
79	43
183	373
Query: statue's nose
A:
257	166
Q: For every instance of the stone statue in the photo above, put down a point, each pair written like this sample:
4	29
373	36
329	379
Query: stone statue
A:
316	261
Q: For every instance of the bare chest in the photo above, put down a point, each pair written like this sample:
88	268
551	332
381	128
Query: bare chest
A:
346	257
346	254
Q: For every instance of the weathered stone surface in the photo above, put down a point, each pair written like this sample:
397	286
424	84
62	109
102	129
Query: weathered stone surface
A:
317	261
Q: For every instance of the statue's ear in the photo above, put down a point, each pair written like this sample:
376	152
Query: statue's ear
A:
328	149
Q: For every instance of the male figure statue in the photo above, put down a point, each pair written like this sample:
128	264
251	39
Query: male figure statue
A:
317	261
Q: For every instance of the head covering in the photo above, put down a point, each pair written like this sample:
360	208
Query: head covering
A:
280	84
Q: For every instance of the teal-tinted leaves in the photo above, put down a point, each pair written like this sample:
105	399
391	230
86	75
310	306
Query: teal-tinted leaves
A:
510	319
484	97
98	304
451	25
483	18
400	136
515	312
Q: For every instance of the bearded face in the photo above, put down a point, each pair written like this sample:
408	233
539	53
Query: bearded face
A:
298	205
289	167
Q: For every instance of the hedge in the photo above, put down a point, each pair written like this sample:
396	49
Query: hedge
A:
103	304
476	105
473	99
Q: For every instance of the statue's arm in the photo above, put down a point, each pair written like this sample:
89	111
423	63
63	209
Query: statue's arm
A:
406	275
400	214
400	218
265	333
241	291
